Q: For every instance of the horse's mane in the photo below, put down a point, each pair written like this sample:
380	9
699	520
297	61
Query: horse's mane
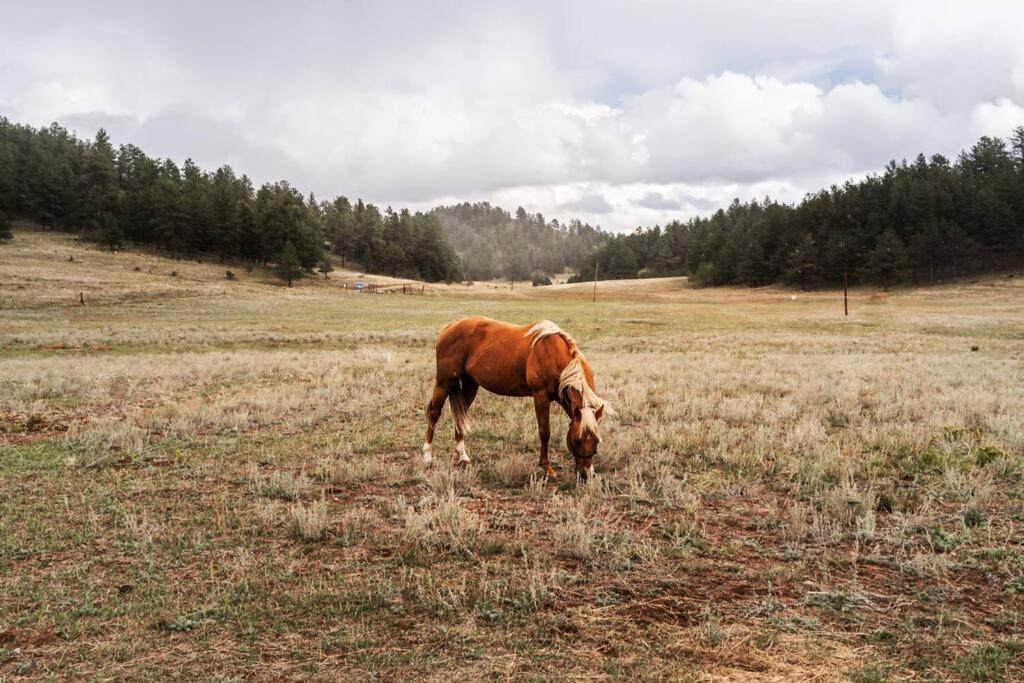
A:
573	376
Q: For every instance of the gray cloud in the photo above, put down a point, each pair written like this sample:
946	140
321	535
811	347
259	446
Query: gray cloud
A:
682	104
593	203
658	202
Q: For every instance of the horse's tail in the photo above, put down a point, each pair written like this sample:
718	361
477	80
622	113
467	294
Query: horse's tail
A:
459	411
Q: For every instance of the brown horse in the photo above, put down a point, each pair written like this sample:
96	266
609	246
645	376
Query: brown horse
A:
538	360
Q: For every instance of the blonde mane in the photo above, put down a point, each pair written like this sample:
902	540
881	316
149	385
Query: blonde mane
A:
546	328
573	377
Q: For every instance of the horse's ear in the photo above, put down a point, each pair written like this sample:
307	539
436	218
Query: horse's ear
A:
599	412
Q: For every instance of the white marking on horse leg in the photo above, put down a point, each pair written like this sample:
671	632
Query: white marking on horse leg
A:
428	454
460	448
590	472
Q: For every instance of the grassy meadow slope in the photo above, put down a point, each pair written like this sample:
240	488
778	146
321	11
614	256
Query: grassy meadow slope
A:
203	478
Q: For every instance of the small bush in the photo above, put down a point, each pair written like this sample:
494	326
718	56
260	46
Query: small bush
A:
986	453
974	517
941	540
229	275
706	275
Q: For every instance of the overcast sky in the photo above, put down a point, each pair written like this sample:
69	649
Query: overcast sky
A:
620	113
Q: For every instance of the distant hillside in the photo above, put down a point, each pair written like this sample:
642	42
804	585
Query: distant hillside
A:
922	221
121	195
492	243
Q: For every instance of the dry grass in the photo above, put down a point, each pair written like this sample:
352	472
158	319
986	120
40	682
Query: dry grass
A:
226	474
308	522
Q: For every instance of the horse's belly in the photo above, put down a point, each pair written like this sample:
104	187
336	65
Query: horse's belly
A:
498	377
503	389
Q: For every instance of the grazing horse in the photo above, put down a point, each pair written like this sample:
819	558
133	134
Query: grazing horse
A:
538	360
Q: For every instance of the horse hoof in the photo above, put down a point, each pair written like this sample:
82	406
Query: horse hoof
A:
428	454
462	463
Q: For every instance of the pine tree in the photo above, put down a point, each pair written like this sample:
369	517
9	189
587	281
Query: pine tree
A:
288	266
750	268
622	262
325	267
112	235
888	260
801	267
99	185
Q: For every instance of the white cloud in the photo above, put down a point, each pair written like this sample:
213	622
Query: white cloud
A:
998	119
623	114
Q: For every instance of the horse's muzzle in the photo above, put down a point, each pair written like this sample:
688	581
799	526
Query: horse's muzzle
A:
584	468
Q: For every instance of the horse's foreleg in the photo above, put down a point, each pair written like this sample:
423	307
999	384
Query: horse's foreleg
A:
542	404
433	415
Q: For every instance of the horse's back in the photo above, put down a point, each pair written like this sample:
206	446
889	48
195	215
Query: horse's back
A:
478	328
492	352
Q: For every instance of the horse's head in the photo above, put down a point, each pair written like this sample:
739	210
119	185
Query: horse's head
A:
583	437
585	408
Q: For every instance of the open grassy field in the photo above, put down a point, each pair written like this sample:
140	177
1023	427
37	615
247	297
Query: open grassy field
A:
203	478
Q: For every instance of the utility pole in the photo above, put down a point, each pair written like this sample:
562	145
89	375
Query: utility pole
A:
597	264
846	306
846	254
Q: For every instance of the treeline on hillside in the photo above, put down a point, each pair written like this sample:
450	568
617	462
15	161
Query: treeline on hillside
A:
114	195
492	243
919	221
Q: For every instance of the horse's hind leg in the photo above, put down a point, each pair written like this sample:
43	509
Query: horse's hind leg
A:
433	415
462	398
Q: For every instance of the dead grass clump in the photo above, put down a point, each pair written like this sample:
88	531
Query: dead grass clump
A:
597	541
490	594
795	522
536	487
511	472
843	510
103	437
441	522
355	526
140	532
269	514
683	539
659	486
442	478
278	483
351	469
930	565
308	522
710	629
